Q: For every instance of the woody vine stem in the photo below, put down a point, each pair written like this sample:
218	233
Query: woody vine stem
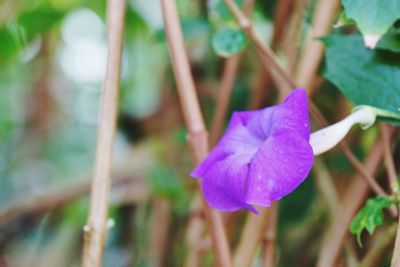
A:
96	226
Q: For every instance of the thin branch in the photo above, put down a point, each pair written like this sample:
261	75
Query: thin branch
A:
53	198
194	235
224	94
390	165
314	49
396	250
95	229
250	238
269	241
352	200
360	168
283	11
381	245
324	182
159	232
229	73
191	110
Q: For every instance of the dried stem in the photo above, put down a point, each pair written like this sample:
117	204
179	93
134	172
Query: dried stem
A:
231	67
352	200
191	110
194	234
361	169
392	176
390	165
250	238
95	229
159	232
381	246
270	237
326	187
396	250
224	94
314	49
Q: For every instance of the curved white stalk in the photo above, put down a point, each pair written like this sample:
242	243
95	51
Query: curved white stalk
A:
326	138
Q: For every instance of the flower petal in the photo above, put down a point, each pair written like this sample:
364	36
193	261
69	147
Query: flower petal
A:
281	164
242	137
223	185
293	113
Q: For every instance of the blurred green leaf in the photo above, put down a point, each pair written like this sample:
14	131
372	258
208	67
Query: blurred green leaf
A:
366	77
223	11
191	28
8	45
165	183
390	41
373	17
370	216
227	41
39	21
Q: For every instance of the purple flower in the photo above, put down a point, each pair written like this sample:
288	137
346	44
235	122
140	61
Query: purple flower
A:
262	156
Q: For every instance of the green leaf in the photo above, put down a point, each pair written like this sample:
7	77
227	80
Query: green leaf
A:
227	41
364	76
165	183
373	17
390	41
370	216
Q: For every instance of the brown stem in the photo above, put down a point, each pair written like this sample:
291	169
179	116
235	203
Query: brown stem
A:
396	250
381	245
390	165
231	67
326	187
250	238
224	94
270	237
314	49
268	58
352	200
194	235
360	168
197	136
159	232
95	229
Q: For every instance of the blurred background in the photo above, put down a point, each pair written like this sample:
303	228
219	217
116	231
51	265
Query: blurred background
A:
52	65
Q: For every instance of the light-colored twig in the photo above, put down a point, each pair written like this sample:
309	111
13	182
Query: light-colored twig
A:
269	242
314	49
361	169
197	136
380	246
324	181
229	73
161	222
389	161
396	251
96	227
251	236
136	162
224	94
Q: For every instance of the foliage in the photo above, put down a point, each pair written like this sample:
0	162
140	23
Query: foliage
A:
370	216
227	42
364	76
373	17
